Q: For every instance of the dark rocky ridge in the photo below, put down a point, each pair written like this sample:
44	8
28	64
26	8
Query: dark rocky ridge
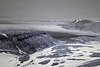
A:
22	41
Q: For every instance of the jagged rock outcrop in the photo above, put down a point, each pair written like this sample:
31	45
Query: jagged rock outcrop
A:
22	41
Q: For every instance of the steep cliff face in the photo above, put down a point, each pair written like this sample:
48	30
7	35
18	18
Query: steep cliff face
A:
21	41
84	25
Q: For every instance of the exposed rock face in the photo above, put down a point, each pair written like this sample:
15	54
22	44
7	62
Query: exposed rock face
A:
21	41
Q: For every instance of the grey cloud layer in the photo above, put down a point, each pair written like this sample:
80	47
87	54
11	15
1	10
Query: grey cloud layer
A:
50	9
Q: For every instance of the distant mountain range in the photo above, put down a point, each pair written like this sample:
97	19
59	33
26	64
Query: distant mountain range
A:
83	25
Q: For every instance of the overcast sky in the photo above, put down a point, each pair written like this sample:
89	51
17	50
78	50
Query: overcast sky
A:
50	9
